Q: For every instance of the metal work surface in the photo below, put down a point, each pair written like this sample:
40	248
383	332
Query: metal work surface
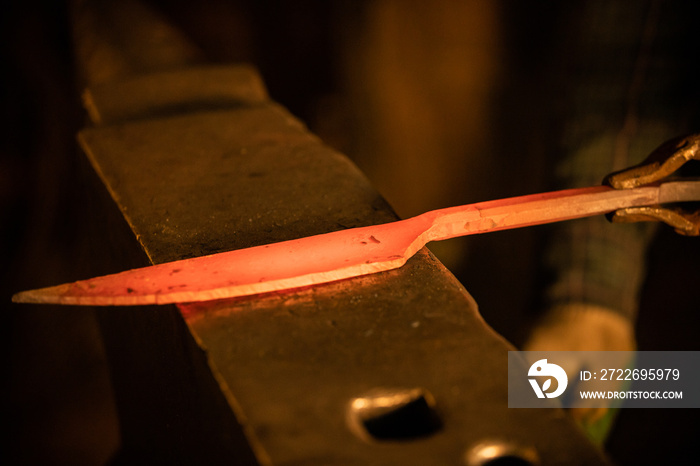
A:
223	180
307	355
289	365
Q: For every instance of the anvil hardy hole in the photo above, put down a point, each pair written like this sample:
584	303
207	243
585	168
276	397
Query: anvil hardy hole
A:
508	461
395	414
501	453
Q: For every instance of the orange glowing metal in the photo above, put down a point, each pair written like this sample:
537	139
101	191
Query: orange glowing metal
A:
343	254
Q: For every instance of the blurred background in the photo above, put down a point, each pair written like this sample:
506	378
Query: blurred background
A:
440	103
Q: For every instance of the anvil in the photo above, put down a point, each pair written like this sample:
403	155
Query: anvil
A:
276	379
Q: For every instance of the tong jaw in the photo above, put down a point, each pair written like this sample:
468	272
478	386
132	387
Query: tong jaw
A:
661	163
685	223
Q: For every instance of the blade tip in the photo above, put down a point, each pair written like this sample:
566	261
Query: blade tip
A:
38	296
24	297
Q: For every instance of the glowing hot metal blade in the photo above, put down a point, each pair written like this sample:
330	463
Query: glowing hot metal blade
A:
343	254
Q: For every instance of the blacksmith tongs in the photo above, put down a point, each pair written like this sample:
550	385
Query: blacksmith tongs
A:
660	164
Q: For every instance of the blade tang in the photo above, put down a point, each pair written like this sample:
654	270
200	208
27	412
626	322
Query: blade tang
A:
551	207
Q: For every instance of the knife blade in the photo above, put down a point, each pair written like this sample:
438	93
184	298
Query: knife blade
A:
344	254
